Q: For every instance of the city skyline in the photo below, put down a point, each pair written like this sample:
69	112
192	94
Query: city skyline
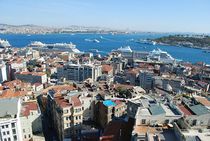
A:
154	16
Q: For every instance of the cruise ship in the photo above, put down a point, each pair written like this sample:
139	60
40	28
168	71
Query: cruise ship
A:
162	56
4	44
70	47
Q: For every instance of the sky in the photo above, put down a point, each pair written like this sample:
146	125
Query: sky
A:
138	15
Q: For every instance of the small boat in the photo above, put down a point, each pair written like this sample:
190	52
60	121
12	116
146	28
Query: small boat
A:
96	41
94	50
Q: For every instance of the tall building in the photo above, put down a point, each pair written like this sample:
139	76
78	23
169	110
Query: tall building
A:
62	116
10	126
145	80
108	110
79	72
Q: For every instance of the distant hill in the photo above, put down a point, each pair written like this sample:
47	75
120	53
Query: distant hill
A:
36	29
194	41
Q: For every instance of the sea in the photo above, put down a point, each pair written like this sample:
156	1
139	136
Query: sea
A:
108	42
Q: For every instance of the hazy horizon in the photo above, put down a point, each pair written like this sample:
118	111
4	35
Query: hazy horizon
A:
135	15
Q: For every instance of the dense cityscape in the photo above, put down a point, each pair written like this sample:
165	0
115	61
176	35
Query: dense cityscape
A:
56	92
108	70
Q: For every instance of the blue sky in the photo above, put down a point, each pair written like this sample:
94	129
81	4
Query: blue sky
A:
141	15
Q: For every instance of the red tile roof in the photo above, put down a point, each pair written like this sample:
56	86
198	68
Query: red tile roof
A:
106	68
76	101
9	93
59	88
185	110
203	101
13	84
62	102
27	107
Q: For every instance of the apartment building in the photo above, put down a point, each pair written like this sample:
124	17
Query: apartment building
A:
79	72
62	115
10	125
32	77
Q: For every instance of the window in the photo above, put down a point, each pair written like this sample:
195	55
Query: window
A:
66	118
7	132
6	126
9	139
13	131
25	136
15	138
13	124
5	139
2	127
143	121
4	133
29	136
24	131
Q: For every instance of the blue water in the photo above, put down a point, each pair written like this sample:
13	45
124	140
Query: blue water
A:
109	42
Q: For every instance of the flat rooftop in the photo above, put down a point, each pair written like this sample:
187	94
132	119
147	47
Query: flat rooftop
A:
143	112
109	103
156	110
199	109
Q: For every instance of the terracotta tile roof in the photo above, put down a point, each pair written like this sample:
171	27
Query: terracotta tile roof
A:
9	93
15	83
185	110
107	68
59	88
203	101
76	101
62	102
1	88
27	107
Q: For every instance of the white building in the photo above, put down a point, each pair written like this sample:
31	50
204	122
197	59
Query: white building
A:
30	120
80	72
10	126
3	73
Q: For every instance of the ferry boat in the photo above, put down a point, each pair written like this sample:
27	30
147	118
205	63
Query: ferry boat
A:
70	47
159	55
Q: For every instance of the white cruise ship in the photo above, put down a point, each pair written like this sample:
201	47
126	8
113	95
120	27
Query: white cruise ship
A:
4	44
70	47
159	55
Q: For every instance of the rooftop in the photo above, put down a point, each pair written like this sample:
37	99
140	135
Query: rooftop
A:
156	110
27	107
199	109
106	68
185	110
10	94
204	101
8	107
109	103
